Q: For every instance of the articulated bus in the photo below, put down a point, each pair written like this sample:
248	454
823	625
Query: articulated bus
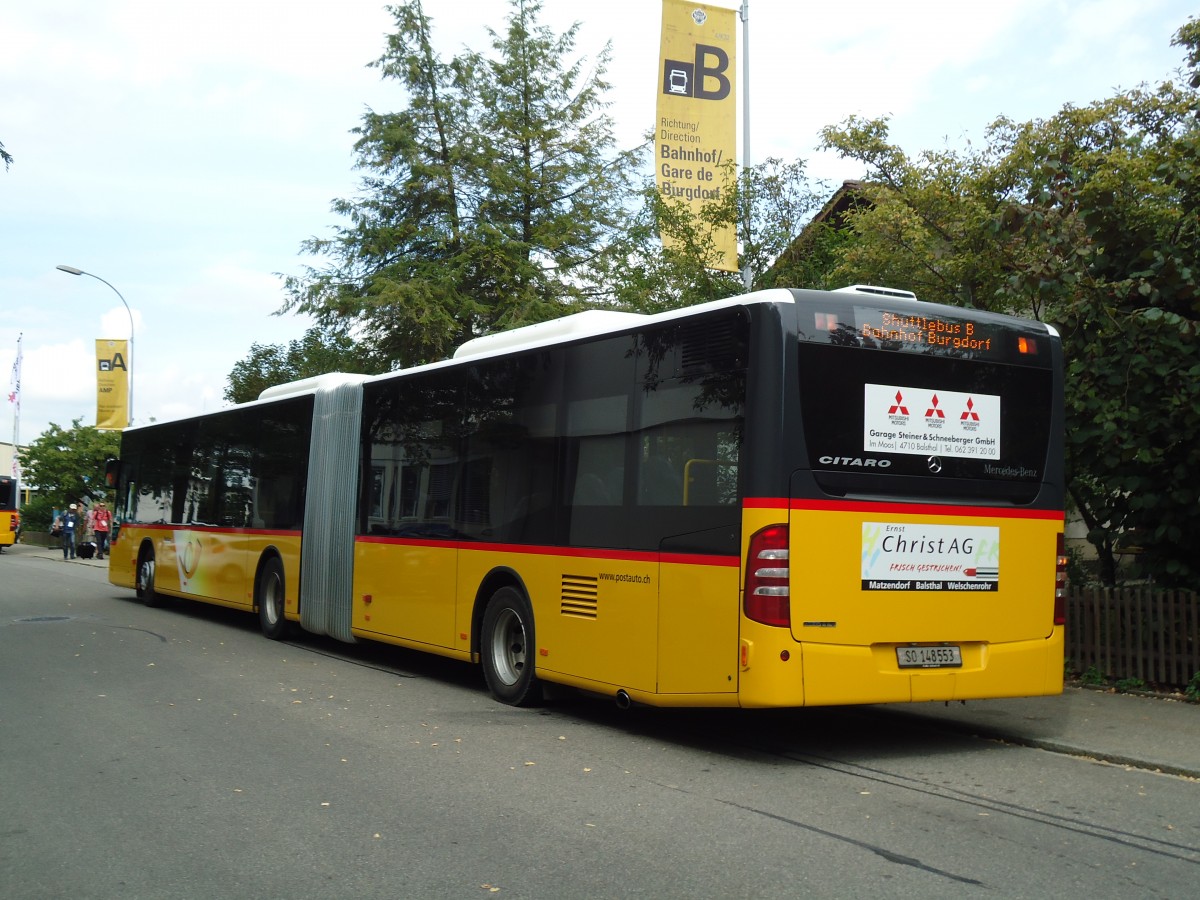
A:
10	519
783	499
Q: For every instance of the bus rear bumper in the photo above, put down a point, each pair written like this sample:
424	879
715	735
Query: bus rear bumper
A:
836	675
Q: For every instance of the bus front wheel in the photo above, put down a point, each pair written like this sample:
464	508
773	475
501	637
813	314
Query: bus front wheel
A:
508	649
271	600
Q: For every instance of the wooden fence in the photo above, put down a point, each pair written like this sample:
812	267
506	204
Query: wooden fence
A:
1139	632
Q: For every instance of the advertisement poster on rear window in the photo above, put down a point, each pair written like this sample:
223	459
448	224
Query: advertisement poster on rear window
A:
921	421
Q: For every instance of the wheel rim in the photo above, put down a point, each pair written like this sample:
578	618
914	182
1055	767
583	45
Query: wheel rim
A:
508	647
272	601
145	575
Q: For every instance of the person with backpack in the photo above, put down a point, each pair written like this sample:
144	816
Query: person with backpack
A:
101	522
69	522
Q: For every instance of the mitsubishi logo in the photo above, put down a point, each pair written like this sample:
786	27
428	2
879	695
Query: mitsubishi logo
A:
935	464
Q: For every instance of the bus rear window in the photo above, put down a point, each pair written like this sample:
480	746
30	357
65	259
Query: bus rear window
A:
902	423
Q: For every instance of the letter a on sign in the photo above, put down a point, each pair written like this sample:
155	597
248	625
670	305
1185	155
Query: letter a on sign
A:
112	385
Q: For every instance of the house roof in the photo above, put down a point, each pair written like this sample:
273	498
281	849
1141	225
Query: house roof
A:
846	198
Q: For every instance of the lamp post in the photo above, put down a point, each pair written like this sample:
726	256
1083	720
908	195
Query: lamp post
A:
71	270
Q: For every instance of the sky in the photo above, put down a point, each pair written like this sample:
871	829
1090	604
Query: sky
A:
182	152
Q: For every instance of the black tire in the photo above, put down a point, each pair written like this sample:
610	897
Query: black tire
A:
270	596
507	649
145	580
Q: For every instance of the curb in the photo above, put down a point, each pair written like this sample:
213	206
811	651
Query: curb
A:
1068	748
51	554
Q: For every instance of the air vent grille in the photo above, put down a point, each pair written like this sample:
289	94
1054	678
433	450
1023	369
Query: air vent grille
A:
709	346
580	596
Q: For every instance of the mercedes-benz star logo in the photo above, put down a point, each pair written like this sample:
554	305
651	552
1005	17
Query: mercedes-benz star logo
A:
935	464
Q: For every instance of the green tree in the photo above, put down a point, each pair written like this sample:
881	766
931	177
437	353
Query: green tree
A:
487	201
647	277
927	222
66	466
317	353
777	200
6	156
1089	220
775	197
1112	223
554	188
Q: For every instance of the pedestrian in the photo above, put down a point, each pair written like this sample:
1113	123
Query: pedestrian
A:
101	523
69	523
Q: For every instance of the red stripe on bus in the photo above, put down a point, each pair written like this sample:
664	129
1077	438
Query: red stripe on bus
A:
214	529
916	509
642	556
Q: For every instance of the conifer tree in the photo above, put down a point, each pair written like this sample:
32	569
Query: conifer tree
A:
485	202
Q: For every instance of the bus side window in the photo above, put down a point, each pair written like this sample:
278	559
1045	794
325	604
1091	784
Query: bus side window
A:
412	435
659	482
595	443
508	480
689	445
596	435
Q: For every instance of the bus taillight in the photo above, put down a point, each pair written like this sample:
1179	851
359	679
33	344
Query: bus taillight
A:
766	599
1060	583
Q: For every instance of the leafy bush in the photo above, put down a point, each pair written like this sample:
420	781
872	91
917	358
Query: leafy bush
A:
36	514
1192	691
1130	684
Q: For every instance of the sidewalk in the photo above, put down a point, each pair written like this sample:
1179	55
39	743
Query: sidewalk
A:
1143	732
52	553
1155	733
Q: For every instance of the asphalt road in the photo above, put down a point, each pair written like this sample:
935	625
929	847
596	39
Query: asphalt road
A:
177	753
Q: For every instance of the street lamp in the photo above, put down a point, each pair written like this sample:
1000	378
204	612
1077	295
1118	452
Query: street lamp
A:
71	270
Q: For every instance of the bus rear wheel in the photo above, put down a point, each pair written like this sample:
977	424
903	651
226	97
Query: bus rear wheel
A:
145	580
271	600
507	646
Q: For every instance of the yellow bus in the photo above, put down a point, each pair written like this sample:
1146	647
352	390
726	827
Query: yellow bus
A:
10	518
783	499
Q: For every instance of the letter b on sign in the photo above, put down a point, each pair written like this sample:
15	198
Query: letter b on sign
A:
704	72
692	79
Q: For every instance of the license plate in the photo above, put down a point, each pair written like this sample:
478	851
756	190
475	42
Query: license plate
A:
928	657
